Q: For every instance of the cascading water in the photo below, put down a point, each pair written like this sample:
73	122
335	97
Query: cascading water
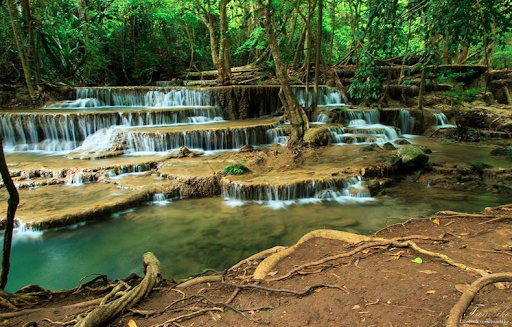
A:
363	127
322	118
159	97
405	122
442	121
276	136
57	132
160	199
278	196
327	97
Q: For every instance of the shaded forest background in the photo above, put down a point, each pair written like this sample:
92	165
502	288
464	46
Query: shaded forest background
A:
136	42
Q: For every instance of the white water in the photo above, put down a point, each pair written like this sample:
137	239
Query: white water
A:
279	197
442	121
363	128
327	97
322	118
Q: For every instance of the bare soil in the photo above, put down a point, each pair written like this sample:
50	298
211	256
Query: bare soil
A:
377	286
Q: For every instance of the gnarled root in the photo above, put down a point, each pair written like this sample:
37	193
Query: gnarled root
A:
461	306
106	312
270	262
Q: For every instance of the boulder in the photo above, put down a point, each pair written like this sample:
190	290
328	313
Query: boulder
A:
388	146
412	157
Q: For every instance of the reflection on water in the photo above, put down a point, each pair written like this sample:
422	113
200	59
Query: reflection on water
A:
193	234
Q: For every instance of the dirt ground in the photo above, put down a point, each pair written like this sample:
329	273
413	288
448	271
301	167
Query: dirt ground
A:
379	285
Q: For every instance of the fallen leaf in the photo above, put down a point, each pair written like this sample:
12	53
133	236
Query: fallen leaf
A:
355	307
462	287
431	292
428	272
417	260
366	251
463	246
132	323
436	221
363	171
272	273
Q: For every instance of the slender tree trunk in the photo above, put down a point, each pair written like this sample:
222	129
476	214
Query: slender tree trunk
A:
422	86
224	60
21	53
446	49
298	50
190	40
294	111
29	20
402	69
294	26
309	45
13	202
318	53
463	55
333	26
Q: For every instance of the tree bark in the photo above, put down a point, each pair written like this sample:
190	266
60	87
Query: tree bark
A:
14	200
422	87
224	59
318	53
29	20
21	53
298	49
294	111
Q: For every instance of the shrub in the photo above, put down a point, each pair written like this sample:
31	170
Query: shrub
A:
235	169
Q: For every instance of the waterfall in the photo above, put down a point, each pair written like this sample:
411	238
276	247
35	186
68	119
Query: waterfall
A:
22	231
276	136
157	97
363	128
57	132
327	96
322	118
160	199
405	122
442	121
278	196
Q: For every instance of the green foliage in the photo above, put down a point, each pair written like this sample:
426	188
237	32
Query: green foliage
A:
256	41
366	83
235	169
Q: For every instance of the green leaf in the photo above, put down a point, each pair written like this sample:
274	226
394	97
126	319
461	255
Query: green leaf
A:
417	260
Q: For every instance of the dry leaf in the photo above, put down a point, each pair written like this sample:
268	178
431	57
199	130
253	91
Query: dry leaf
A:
428	272
436	221
363	171
132	323
431	292
272	273
462	287
366	251
355	307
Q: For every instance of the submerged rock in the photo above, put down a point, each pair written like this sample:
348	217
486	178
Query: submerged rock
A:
402	142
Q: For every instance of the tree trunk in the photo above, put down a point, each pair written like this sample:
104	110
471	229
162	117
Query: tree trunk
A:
298	49
295	113
333	26
190	40
224	60
318	53
29	20
307	65
402	69
463	55
422	86
21	53
14	200
294	26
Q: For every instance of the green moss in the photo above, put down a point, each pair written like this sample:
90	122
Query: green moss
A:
413	155
235	169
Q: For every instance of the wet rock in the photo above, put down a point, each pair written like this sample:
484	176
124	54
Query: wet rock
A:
388	146
371	147
317	136
504	151
374	186
184	152
96	155
425	149
246	148
412	156
402	142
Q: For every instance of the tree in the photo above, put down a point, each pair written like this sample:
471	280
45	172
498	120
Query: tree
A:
294	112
13	202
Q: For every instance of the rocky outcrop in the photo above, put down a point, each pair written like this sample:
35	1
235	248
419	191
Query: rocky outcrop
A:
244	102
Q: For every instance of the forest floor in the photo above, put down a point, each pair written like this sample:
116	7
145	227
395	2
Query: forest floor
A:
373	284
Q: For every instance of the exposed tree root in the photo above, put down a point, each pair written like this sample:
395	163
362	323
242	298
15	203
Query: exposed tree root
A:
266	265
199	280
457	312
171	322
103	314
258	256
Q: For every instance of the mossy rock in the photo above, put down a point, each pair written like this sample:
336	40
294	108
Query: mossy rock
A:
370	147
504	151
402	142
388	146
317	136
412	157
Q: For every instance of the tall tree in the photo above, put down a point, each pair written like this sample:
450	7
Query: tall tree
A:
298	119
